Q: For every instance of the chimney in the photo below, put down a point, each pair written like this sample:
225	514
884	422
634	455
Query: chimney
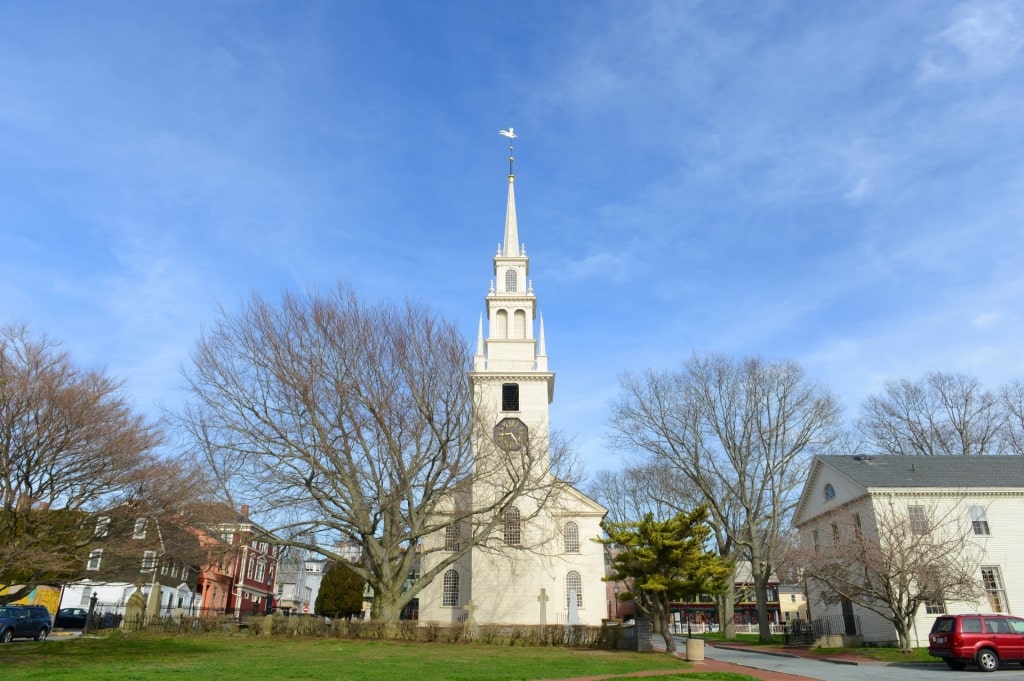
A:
245	510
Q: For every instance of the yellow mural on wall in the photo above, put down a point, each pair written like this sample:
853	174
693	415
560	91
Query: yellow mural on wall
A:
48	596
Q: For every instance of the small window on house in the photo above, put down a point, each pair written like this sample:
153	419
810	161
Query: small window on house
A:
857	527
792	598
510	397
573	585
918	519
250	568
835	534
261	570
830	492
571	534
935	606
452	538
815	541
95	556
148	561
512	530
992	580
511	281
140	529
102	526
450	595
979	520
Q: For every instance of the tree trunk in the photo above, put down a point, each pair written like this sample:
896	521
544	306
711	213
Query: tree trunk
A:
661	612
726	603
764	625
903	627
387	607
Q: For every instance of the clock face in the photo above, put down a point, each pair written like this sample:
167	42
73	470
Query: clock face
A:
511	434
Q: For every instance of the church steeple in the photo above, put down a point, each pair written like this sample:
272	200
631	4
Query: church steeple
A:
510	345
511	244
511	226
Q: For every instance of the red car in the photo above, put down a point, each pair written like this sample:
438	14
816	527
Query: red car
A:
984	640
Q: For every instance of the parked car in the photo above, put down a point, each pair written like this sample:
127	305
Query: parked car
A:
983	640
71	618
24	621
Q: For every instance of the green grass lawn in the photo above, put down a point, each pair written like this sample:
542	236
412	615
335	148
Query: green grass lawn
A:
243	658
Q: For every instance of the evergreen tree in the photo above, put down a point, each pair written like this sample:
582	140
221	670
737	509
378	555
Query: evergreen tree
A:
341	592
667	560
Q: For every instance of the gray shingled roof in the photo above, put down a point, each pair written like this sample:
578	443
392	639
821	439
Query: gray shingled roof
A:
931	471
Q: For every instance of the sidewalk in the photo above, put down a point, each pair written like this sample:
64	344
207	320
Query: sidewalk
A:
705	666
708	665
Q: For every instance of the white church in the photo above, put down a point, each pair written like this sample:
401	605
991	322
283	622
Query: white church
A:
545	568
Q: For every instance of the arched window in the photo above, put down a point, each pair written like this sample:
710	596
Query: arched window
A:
511	281
830	492
573	584
450	599
451	538
501	319
519	324
512	530
571	535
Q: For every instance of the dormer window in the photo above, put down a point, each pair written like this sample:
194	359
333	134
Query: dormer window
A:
511	281
830	492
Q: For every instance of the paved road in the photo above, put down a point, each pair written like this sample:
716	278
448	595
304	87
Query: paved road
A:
828	671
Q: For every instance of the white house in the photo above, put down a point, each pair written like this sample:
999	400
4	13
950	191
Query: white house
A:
977	497
558	579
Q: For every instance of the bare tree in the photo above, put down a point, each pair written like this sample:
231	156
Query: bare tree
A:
70	446
890	564
641	488
944	413
742	432
338	422
1012	399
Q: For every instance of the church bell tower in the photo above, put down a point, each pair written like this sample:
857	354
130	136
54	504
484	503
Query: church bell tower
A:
510	368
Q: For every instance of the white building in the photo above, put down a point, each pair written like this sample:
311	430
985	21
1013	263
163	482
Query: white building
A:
558	578
983	494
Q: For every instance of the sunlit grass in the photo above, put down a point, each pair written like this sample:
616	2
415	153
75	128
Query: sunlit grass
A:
242	658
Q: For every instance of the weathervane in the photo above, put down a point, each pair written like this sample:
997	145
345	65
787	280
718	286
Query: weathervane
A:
511	135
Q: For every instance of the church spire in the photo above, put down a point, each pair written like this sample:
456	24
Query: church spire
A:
511	245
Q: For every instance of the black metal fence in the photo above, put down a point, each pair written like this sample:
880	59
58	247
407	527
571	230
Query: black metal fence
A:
806	633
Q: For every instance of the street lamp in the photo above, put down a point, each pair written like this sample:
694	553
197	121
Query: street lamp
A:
615	590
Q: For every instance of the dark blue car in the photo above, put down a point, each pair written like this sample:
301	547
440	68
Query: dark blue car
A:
24	621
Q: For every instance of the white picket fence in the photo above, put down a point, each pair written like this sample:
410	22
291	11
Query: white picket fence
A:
680	628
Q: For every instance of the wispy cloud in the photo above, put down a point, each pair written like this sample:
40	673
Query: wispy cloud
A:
982	40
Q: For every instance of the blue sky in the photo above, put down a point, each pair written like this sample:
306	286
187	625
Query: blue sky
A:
838	183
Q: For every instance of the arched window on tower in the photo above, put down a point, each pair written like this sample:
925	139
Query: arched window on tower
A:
574	584
513	531
519	324
571	535
450	598
511	281
501	319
